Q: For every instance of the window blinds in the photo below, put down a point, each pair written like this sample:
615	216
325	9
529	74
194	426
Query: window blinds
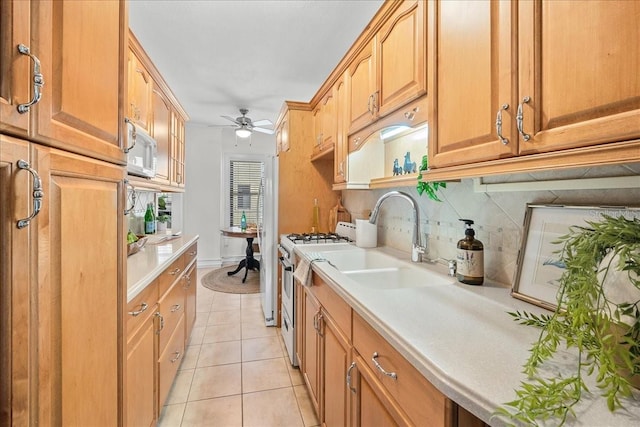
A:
245	178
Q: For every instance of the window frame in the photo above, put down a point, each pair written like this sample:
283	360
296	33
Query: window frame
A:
227	158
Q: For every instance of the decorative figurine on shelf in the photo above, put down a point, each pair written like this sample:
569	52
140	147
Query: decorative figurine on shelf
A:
409	166
397	170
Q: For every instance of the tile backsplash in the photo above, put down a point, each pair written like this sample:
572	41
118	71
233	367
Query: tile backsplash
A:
498	216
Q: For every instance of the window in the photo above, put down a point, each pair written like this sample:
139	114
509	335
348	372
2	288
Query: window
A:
245	178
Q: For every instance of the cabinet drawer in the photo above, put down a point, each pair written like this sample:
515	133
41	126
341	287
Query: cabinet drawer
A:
340	311
189	255
141	307
169	361
417	397
170	275
171	307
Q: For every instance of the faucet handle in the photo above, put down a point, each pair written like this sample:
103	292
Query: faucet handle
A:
416	252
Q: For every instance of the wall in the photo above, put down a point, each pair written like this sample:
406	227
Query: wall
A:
498	216
205	147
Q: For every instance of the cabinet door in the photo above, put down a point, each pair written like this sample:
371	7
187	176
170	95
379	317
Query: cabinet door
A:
161	133
190	286
177	150
473	80
373	406
579	67
311	348
335	362
140	92
362	86
317	129
16	69
299	322
341	148
81	259
401	57
80	110
328	120
140	383
16	324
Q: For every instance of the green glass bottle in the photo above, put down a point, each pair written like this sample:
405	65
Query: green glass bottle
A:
149	220
243	222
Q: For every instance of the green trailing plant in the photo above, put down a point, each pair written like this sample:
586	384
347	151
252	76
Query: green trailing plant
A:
428	187
605	333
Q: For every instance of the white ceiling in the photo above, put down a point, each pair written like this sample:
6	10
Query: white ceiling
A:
219	56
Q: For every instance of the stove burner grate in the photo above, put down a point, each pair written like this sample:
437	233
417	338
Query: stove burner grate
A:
317	238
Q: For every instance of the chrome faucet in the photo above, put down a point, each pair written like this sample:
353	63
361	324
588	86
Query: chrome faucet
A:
416	249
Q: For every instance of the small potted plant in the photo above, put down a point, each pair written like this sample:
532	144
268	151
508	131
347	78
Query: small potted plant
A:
162	223
597	314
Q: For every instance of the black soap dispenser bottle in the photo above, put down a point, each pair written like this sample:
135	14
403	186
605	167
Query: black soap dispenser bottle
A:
470	257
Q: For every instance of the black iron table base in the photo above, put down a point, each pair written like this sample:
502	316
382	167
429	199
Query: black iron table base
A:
249	263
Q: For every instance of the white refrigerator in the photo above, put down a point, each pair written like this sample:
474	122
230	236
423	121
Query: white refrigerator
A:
268	241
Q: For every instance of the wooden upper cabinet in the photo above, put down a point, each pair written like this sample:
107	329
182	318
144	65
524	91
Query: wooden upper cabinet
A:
161	133
317	128
16	69
282	134
140	91
341	145
362	88
579	67
177	150
80	108
472	83
328	120
401	56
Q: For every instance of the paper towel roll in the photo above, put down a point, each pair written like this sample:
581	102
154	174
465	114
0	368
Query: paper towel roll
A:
366	234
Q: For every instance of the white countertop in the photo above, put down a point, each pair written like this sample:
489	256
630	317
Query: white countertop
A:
462	339
143	267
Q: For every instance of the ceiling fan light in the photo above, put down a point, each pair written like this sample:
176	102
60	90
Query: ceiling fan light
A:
243	132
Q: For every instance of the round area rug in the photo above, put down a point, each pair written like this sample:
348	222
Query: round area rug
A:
219	280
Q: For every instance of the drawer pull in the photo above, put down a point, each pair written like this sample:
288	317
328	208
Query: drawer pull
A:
381	369
520	119
175	359
175	308
353	365
143	307
174	272
192	253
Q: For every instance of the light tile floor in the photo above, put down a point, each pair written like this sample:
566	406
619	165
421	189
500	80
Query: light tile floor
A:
235	371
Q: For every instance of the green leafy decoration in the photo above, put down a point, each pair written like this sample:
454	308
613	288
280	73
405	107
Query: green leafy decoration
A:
585	319
426	186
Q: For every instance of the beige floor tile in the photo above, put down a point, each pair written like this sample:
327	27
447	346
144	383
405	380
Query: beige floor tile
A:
260	348
171	415
251	301
216	381
180	389
220	353
223	304
252	315
190	359
271	408
306	407
220	333
203	306
264	375
255	330
201	319
294	373
223	317
222	411
197	334
223	296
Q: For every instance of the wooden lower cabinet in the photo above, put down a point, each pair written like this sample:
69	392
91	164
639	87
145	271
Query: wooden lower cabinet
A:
336	350
141	375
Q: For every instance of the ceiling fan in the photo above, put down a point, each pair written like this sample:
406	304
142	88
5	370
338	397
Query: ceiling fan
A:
244	125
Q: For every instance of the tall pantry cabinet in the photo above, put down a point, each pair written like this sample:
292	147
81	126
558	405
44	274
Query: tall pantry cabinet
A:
62	167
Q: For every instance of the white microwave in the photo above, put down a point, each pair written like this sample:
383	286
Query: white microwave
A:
142	152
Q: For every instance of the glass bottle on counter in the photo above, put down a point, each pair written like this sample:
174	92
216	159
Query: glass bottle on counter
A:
243	222
149	220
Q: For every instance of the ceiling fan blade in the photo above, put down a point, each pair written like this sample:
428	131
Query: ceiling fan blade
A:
263	130
230	119
222	126
264	122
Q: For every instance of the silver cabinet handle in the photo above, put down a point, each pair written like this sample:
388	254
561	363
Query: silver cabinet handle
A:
175	308
353	365
320	317
381	369
174	272
520	118
133	197
374	105
369	104
175	359
38	80
133	134
192	253
356	141
37	194
143	308
410	115
504	140
188	280
158	315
